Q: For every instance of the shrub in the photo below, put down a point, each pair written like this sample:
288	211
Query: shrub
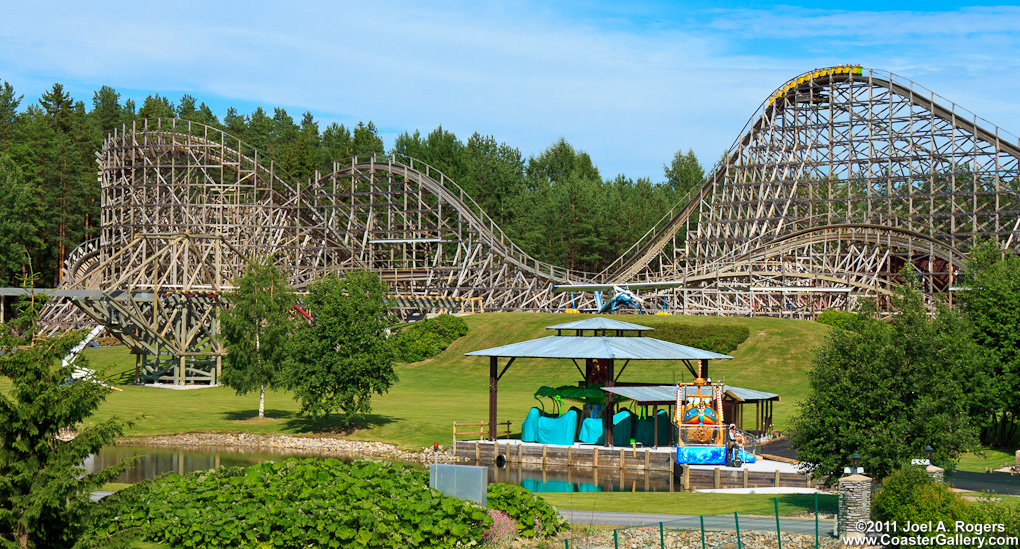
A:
535	517
713	337
502	532
841	319
296	503
427	338
909	494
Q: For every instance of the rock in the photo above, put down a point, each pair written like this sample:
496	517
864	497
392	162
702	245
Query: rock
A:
310	445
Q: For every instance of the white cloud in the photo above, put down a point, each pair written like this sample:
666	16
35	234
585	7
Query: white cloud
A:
629	91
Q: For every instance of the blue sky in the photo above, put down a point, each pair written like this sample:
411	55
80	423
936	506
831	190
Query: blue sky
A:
630	83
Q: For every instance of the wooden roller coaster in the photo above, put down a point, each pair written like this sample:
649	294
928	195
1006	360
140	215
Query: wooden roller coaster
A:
842	177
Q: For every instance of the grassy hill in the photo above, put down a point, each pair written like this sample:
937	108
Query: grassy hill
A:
432	394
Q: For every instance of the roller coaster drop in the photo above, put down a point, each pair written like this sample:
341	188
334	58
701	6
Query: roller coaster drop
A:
841	178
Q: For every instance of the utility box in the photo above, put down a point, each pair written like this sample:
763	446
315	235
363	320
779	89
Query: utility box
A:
460	481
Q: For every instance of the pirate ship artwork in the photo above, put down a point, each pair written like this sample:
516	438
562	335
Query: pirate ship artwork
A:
704	437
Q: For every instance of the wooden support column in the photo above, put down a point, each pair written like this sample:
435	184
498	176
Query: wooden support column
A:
493	385
610	405
587	371
703	371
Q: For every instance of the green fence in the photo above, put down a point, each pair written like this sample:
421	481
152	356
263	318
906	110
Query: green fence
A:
743	532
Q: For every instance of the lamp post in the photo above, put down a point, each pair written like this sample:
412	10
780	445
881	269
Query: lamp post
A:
856	458
927	452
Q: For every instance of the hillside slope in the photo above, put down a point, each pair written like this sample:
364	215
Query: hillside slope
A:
430	395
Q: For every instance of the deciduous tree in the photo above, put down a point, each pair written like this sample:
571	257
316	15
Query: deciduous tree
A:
889	389
255	329
343	357
991	301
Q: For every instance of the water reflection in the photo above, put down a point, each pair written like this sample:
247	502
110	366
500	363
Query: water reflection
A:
152	461
581	479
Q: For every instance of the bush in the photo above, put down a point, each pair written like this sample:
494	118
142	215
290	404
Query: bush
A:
427	338
535	517
841	319
909	494
296	503
714	337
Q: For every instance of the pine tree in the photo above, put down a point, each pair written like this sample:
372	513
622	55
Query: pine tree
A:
44	490
19	234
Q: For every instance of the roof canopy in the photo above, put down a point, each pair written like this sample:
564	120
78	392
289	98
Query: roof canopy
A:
600	347
599	323
666	394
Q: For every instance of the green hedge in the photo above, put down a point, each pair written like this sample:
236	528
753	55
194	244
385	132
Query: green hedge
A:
713	337
427	338
310	503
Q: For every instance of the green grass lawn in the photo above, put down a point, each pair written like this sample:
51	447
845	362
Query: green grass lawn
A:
687	503
991	458
432	394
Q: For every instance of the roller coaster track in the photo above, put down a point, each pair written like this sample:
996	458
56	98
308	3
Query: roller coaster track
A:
840	166
840	178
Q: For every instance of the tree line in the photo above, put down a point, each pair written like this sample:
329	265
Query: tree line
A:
557	205
888	388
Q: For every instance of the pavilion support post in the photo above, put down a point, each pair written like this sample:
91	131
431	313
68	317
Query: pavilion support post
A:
703	371
493	385
610	404
587	371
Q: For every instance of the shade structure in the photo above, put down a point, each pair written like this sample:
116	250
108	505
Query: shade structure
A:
604	349
666	394
599	323
600	347
735	398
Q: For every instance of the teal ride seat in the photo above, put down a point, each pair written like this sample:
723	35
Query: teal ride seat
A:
622	427
559	430
529	429
592	431
645	430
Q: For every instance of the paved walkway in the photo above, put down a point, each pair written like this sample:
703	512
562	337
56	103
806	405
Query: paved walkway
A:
715	522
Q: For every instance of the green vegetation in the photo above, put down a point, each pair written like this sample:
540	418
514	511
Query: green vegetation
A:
293	503
988	458
342	358
421	407
714	337
887	390
556	205
534	516
990	303
909	494
427	338
256	329
686	503
44	490
324	502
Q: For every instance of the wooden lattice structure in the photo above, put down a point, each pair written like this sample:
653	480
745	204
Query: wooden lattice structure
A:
840	179
185	206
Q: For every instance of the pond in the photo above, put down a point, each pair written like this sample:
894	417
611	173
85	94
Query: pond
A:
152	461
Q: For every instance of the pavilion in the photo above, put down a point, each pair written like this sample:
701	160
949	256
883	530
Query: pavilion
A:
598	347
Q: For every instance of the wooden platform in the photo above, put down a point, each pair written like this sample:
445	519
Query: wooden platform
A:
627	465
